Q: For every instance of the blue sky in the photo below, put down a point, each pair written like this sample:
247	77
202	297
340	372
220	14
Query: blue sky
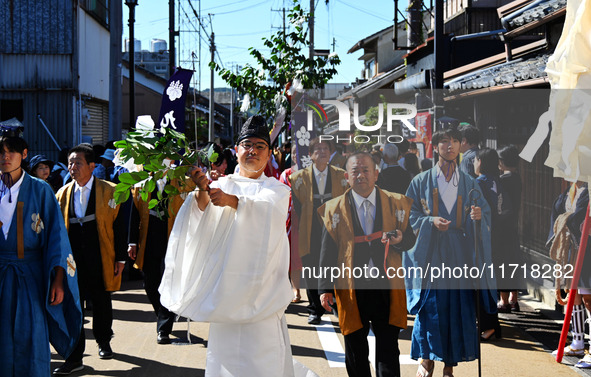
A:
239	25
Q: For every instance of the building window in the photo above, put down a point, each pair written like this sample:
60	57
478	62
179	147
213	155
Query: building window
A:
99	9
11	108
370	68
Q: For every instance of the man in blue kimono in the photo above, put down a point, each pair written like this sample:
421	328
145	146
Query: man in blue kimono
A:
39	300
443	216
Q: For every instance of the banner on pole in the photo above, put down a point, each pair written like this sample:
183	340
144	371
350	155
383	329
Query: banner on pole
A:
172	110
423	124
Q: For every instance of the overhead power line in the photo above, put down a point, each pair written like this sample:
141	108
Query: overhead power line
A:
225	5
240	34
365	11
195	27
197	16
241	9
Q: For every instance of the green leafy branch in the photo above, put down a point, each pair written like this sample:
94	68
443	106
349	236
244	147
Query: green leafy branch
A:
151	150
288	62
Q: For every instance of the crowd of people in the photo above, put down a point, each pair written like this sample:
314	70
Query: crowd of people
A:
450	228
220	253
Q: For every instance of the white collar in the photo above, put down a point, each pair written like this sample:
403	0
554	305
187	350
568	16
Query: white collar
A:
317	172
7	208
18	183
238	177
88	184
441	174
14	189
360	199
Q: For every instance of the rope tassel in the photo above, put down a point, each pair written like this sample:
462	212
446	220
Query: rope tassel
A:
7	183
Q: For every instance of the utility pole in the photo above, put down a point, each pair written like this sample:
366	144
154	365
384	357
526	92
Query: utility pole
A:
334	43
281	28
415	23
439	55
115	70
284	24
199	20
311	26
211	93
171	35
231	113
131	4
439	44
197	14
195	102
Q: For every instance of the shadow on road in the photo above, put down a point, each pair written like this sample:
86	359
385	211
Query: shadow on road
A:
145	367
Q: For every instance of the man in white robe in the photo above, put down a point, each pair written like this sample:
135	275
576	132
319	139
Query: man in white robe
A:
227	264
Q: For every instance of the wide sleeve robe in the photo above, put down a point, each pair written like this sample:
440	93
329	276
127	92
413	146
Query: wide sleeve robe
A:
29	322
445	308
230	266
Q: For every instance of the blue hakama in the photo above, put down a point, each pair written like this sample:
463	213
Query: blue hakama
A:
28	323
445	324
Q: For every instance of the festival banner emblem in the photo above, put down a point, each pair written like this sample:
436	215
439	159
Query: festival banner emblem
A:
172	110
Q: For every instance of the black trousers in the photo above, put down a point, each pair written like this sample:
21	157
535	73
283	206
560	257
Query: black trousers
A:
102	321
372	310
314	306
153	269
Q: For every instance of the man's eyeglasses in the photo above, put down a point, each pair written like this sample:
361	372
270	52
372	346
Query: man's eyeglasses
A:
260	146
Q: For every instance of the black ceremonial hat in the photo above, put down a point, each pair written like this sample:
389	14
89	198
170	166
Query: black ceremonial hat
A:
255	126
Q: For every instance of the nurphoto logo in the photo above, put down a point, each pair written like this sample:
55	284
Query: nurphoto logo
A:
392	114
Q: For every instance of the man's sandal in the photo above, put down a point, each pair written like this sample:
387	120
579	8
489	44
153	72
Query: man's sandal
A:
585	362
423	372
569	351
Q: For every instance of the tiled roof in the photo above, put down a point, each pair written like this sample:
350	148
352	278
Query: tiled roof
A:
501	74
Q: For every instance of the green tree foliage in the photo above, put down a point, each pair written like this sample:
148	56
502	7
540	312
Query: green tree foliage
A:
287	65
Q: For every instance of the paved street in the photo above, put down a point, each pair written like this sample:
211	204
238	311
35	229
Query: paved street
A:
524	350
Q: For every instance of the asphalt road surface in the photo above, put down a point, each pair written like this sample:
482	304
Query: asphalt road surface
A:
528	338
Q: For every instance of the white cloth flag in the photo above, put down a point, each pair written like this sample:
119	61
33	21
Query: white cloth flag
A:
569	71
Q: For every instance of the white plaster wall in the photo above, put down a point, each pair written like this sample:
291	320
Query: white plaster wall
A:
93	68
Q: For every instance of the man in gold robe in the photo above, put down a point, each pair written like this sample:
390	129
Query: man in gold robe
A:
356	239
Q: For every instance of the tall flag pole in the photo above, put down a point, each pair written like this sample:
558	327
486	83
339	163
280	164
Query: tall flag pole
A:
574	284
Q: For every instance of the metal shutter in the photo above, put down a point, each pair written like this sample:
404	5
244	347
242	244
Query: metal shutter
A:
98	122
